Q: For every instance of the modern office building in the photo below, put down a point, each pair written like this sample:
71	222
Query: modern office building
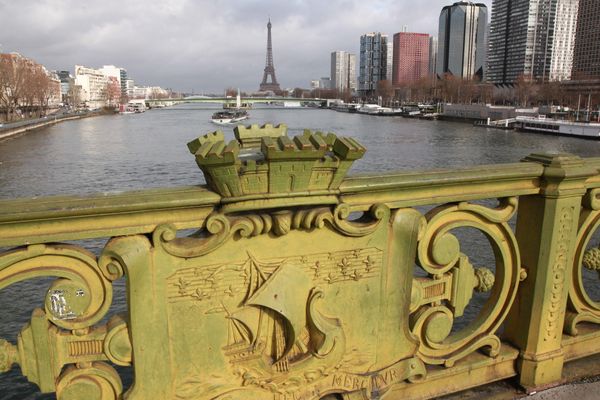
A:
119	73
411	57
563	40
66	82
373	62
586	60
531	40
129	87
390	58
433	49
343	71
462	40
325	82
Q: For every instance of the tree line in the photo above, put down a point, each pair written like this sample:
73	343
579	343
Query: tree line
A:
25	87
451	89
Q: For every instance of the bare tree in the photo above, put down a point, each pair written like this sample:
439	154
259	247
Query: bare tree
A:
230	92
113	91
13	68
525	91
385	90
41	86
74	95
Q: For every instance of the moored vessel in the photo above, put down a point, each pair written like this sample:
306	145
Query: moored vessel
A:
229	116
558	127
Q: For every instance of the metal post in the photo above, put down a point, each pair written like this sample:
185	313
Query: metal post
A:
546	231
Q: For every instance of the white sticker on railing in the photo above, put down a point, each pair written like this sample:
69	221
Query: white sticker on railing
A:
58	305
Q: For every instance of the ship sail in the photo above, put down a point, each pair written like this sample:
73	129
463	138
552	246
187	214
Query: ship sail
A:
249	318
285	293
272	318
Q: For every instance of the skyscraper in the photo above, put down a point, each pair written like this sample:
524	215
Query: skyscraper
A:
563	41
343	71
373	62
531	39
586	60
433	49
411	57
461	40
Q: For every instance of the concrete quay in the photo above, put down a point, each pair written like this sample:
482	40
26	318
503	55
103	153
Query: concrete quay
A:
13	129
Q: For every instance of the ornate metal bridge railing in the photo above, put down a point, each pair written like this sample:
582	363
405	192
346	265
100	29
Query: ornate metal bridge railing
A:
301	282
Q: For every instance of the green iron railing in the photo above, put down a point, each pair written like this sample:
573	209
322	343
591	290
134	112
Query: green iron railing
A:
302	283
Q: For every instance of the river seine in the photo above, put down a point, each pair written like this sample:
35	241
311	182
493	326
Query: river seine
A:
128	152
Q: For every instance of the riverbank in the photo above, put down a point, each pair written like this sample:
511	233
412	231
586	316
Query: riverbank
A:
9	131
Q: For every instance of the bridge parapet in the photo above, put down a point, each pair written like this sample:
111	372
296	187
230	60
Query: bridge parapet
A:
302	282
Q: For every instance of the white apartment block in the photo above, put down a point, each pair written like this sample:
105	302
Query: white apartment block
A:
343	71
93	86
148	92
563	45
119	73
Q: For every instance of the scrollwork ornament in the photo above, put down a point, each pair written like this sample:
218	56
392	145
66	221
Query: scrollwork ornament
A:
97	381
581	307
79	298
219	228
363	226
439	252
117	344
592	199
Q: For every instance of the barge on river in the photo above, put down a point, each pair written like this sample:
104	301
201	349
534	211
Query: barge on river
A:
558	127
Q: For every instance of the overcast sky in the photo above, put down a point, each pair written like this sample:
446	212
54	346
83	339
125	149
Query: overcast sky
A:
204	45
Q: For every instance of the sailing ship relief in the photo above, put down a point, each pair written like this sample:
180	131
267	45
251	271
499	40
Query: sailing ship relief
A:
272	331
279	337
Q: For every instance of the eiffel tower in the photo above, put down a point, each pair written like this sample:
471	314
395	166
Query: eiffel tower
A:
269	68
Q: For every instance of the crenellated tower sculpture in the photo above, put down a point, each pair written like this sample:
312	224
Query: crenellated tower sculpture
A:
265	161
269	68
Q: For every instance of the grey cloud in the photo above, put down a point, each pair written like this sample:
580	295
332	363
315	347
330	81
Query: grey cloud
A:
204	45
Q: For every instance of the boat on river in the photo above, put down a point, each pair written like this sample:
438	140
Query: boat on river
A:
345	107
232	114
558	127
229	116
375	109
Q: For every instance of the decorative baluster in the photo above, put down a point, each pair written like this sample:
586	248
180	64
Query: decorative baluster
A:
546	230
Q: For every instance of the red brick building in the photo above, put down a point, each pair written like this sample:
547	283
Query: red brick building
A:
411	57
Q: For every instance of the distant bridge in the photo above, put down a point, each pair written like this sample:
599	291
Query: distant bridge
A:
222	100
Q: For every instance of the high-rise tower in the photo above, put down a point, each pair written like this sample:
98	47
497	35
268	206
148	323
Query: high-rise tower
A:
373	62
269	68
586	62
411	57
461	40
531	40
343	71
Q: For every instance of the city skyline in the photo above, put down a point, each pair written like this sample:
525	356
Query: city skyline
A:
205	46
